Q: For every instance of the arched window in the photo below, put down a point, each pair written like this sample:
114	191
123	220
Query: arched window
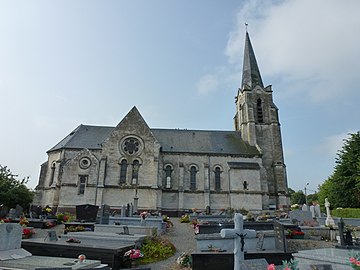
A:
52	175
123	171
259	110
217	178
82	184
168	171
193	172
135	172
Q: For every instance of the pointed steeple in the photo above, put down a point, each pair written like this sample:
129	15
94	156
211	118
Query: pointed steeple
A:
251	74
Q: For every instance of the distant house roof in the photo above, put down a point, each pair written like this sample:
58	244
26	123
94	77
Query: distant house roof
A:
171	140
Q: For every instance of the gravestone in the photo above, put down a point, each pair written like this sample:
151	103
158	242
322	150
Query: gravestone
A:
238	234
300	217
123	211
345	235
86	212
280	235
10	242
52	236
305	207
329	220
3	211
104	214
19	211
208	210
12	213
127	213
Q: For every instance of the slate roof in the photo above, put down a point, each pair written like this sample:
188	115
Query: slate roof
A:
171	140
251	73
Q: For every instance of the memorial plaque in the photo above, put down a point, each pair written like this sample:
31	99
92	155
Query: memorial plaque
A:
52	236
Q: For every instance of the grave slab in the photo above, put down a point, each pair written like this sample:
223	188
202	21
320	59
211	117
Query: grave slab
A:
337	258
107	252
37	262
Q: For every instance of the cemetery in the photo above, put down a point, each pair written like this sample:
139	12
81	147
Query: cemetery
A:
222	240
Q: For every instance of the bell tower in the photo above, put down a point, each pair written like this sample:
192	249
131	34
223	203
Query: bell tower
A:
257	120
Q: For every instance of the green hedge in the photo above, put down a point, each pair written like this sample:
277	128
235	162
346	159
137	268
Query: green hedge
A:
346	213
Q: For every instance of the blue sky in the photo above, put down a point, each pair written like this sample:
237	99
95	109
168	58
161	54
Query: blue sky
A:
66	63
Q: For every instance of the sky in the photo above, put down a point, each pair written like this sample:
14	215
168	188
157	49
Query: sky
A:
66	63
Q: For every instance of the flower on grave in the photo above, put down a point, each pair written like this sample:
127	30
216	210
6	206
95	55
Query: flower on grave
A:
295	206
50	224
169	223
27	233
185	219
81	258
133	254
5	220
354	260
23	221
144	214
184	260
287	265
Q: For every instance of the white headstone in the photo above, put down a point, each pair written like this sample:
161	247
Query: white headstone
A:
329	220
317	210
10	242
312	210
305	207
238	233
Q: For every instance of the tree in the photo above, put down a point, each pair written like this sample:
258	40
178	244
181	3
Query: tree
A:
297	197
342	188
13	191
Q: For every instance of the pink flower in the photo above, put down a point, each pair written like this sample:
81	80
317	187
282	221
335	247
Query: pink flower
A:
357	263
271	267
352	260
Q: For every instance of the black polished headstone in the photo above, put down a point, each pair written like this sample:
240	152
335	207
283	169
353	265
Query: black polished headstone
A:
86	212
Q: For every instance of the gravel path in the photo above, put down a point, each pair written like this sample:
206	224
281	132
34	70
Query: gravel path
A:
182	236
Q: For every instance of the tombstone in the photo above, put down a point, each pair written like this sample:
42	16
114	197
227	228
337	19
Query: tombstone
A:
305	207
10	242
321	267
19	210
317	210
127	210
123	211
312	211
345	236
104	214
12	213
329	220
238	234
52	236
300	217
86	212
3	211
208	210
131	212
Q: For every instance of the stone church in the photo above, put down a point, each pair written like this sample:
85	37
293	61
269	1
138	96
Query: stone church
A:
174	170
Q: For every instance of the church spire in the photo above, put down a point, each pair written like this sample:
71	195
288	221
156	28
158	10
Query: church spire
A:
251	74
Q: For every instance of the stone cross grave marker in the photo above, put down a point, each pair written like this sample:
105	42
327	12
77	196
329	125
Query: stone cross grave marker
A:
10	242
238	233
329	220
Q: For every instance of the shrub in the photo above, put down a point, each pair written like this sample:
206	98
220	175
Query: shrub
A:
156	249
346	212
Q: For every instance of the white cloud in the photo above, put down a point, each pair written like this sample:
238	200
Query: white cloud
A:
312	43
207	84
333	143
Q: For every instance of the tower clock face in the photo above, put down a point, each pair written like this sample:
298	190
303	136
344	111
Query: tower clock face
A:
131	146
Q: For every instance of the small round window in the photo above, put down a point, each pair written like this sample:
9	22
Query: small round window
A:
131	146
85	163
